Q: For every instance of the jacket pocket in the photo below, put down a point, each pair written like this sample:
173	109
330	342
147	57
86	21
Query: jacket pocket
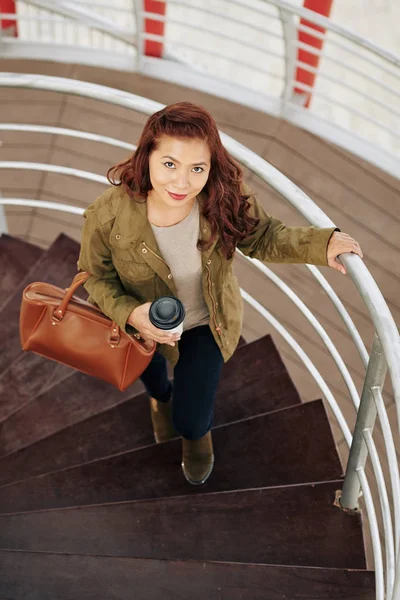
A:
140	269
128	261
138	279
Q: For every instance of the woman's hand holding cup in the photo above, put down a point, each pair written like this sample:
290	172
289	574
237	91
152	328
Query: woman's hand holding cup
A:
139	319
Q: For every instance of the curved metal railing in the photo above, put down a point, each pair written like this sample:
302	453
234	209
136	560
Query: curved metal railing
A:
355	99
386	348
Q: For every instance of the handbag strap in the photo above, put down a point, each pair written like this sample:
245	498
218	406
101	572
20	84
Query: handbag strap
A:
59	311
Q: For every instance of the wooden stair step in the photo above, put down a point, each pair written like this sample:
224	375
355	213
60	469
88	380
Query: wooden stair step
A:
56	266
69	577
255	372
24	376
127	424
31	373
16	259
296	525
268	450
29	376
70	401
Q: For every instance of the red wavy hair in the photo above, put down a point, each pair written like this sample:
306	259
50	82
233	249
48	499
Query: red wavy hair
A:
225	207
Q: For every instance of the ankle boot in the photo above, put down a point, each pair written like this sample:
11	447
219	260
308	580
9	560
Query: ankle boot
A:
197	459
162	421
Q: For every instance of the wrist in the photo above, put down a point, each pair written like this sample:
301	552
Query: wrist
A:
131	318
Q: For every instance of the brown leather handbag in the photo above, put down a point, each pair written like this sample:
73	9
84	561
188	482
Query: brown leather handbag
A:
58	325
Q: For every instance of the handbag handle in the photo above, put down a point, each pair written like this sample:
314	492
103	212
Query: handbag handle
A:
59	311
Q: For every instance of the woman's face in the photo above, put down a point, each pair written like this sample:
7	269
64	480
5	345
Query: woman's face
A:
179	167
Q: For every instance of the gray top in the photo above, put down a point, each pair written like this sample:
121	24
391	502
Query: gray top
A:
178	245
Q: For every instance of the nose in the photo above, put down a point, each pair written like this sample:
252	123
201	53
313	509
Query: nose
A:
181	181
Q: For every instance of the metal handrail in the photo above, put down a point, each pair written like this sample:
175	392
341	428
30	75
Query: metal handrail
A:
11	164
276	179
352	109
74	210
77	133
371	141
213	13
17	17
327	394
61	170
307	14
112	141
391	460
251	9
219	34
338	304
265	270
92	20
30	203
373	299
372	519
352	88
366	76
314	322
330	25
206	50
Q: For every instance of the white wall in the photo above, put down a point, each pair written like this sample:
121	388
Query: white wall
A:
377	20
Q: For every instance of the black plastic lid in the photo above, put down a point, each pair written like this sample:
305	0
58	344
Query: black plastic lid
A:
167	312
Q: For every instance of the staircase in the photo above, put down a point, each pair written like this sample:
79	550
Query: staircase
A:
92	509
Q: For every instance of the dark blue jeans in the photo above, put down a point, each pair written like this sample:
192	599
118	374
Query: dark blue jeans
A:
196	377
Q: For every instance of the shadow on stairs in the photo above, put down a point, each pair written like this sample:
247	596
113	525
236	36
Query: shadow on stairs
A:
92	509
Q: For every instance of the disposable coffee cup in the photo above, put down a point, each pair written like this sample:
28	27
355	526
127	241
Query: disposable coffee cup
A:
167	313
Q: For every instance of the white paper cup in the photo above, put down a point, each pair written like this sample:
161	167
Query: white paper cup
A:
178	329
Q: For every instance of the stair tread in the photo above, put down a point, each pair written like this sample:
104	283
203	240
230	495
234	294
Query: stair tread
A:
26	378
56	266
49	576
290	525
80	397
16	258
268	498
266	450
24	374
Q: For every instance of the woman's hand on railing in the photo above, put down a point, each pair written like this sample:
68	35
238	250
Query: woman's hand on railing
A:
139	319
340	243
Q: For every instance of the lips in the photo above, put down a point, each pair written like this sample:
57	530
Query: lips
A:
177	196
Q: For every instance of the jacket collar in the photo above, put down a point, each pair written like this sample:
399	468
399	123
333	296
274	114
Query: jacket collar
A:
132	221
134	226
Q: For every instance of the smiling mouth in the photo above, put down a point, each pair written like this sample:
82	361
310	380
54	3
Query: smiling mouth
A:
178	196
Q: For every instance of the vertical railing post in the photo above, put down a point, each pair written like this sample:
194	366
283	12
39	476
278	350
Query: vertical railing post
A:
366	416
322	7
3	219
154	26
289	31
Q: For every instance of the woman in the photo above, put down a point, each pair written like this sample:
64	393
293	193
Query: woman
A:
169	225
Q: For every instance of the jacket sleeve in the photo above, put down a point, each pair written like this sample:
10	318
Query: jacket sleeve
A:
104	285
272	241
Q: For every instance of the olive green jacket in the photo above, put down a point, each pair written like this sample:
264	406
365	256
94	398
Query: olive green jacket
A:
121	253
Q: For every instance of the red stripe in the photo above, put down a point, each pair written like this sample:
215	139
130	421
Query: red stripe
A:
8	6
322	7
156	27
